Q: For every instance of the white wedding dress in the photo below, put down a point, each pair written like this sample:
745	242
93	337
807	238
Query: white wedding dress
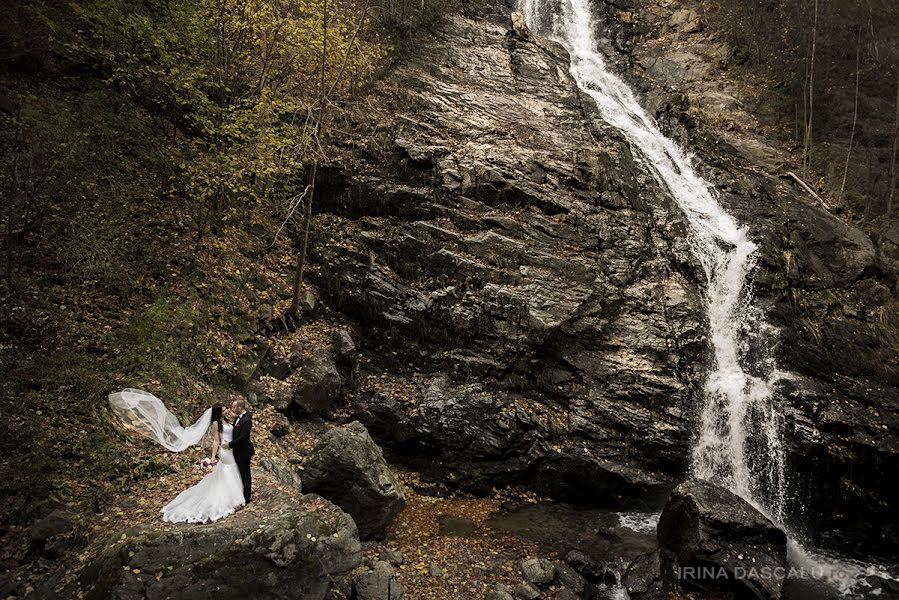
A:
217	495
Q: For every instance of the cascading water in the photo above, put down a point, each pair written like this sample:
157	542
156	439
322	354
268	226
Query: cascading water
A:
740	445
738	413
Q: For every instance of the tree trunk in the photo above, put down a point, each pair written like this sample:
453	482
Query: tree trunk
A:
307	207
807	145
304	245
895	146
854	113
14	195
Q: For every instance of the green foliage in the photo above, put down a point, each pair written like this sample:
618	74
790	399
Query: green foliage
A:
159	342
41	146
235	80
149	467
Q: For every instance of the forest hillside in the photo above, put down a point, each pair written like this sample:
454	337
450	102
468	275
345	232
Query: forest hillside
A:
207	198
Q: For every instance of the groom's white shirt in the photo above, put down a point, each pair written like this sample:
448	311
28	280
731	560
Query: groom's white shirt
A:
239	417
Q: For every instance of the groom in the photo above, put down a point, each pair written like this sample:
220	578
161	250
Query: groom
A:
242	445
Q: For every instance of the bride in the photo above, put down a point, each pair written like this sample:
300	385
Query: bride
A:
220	492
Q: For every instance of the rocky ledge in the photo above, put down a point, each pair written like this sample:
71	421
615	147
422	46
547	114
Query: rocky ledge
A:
282	546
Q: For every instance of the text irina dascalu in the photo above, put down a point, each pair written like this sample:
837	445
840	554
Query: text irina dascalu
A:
756	573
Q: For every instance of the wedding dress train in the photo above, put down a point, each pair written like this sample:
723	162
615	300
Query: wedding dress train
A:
217	495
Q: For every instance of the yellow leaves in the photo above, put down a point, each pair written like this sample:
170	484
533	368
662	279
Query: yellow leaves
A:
244	118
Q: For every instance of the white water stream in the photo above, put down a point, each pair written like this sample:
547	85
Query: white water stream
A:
740	443
735	398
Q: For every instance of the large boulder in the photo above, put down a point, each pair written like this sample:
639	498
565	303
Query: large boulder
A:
54	534
320	386
712	540
287	548
348	468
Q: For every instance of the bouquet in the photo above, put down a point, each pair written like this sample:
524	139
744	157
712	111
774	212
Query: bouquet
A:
207	465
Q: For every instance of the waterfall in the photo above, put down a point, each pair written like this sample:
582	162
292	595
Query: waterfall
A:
739	445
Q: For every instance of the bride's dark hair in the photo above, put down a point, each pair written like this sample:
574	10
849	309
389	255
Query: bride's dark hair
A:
217	416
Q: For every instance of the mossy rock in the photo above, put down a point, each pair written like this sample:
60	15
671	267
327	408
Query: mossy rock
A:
279	547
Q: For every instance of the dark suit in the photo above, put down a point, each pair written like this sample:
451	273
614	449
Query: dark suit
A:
243	450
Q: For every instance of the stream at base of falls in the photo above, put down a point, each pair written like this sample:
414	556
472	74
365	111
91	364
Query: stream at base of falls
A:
618	539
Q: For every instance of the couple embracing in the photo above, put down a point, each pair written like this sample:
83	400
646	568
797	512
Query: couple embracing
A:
228	486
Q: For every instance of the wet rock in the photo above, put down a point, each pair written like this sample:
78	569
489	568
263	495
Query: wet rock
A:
54	534
570	578
321	384
584	565
643	578
815	589
298	546
348	468
539	275
712	539
379	583
343	346
888	587
526	591
296	355
450	417
519	26
538	571
520	279
281	426
394	557
282	472
811	258
500	592
277	367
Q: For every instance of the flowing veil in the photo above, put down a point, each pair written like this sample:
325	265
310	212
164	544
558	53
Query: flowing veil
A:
145	414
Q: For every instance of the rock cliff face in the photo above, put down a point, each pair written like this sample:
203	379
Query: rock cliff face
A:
514	241
530	290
